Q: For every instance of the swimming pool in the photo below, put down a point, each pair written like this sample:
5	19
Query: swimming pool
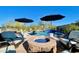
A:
40	33
46	33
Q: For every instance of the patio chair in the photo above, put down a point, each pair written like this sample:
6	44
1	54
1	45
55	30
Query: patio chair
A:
72	41
5	47
10	37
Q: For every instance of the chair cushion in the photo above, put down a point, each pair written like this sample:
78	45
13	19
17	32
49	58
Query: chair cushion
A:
8	34
74	35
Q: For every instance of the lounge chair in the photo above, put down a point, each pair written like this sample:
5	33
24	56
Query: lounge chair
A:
10	36
72	40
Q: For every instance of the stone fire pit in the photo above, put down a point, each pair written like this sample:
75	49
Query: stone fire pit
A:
47	46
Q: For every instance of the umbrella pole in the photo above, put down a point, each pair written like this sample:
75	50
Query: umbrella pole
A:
22	31
50	24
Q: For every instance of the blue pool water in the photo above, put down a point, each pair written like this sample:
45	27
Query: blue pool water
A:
41	40
41	33
46	33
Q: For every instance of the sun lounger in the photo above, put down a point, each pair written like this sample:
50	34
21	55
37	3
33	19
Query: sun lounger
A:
73	40
11	36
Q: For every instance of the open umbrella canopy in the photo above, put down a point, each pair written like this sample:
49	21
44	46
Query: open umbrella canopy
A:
52	17
24	20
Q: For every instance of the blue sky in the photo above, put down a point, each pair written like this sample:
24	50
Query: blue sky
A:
10	13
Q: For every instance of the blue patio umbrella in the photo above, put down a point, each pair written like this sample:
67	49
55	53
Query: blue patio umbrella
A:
52	17
24	20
